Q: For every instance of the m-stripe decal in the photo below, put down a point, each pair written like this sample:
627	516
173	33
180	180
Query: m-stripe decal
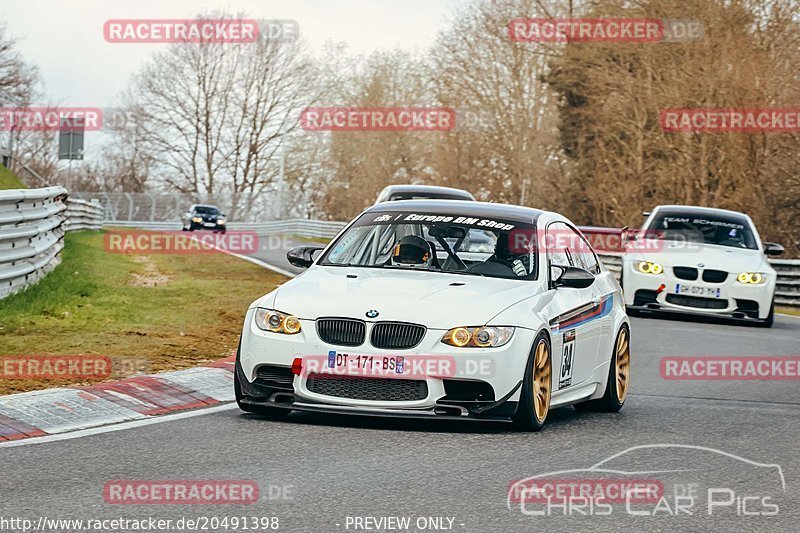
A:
598	311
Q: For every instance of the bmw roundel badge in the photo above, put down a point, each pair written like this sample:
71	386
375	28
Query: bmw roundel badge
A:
372	313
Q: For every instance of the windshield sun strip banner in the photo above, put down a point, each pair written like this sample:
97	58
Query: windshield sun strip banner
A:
411	217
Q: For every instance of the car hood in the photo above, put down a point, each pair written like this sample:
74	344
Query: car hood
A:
710	256
438	301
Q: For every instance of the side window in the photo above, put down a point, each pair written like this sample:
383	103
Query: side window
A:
557	247
583	254
567	247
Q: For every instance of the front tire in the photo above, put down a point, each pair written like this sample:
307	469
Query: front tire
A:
619	376
537	385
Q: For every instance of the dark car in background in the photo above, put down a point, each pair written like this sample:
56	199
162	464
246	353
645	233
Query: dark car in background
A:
207	217
422	192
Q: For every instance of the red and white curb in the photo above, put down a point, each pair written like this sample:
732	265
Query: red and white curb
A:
53	411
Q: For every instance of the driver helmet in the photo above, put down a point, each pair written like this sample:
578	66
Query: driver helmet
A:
412	251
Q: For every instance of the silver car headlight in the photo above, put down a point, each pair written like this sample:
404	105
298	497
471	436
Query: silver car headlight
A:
276	321
478	336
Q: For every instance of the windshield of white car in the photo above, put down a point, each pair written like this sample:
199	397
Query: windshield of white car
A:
445	242
715	229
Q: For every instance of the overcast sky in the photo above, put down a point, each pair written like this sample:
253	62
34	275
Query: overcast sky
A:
65	38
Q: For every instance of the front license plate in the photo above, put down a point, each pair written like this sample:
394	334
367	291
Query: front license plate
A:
383	364
209	224
697	290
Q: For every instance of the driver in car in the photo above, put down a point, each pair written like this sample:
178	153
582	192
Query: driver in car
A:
519	263
412	251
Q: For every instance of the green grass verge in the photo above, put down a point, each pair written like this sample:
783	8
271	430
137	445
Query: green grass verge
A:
8	180
162	312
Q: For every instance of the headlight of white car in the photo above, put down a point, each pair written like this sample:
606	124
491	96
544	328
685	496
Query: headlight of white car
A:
648	267
751	278
276	321
478	336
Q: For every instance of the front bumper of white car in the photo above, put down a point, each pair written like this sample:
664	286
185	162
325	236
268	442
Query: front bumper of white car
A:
475	384
711	292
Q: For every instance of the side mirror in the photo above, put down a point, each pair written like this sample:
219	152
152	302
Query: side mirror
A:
771	248
303	256
573	277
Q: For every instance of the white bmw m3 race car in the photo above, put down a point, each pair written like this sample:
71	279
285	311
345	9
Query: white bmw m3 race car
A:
393	318
701	261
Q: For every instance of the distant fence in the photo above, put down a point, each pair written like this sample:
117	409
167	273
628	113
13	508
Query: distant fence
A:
83	215
31	235
787	292
322	229
168	207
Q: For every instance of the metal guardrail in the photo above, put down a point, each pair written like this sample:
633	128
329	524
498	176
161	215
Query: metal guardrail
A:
31	235
83	215
787	293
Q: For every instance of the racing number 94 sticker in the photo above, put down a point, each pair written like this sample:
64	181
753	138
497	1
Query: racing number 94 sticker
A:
567	360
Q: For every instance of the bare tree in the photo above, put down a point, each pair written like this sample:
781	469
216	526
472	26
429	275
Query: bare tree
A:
508	122
611	95
19	84
18	78
212	116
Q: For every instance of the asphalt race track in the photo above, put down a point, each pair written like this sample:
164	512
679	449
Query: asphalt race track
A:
274	252
329	468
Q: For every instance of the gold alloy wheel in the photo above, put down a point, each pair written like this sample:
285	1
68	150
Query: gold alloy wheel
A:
541	381
623	365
